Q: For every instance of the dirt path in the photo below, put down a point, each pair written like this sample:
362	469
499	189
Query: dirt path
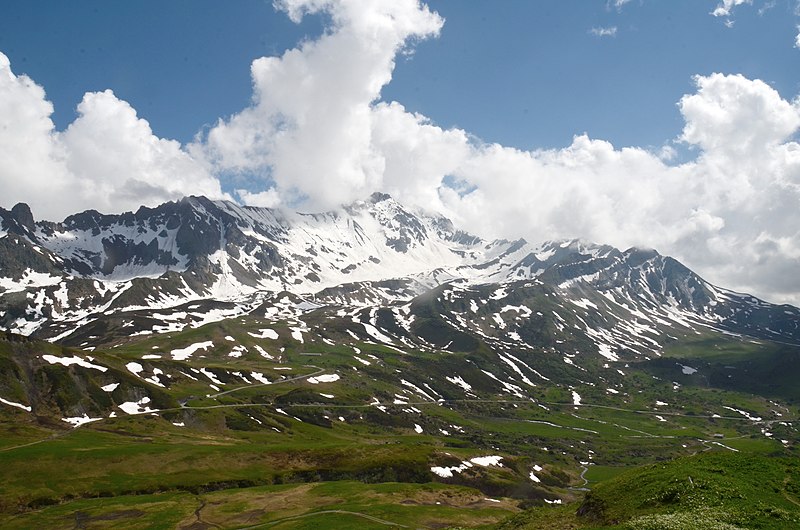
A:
53	436
585	480
786	494
279	382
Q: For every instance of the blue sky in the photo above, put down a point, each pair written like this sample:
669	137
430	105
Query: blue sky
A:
664	124
180	63
522	73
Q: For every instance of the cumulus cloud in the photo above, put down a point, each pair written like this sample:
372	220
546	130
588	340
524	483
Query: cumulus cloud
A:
610	31
797	39
263	199
309	128
107	159
32	163
117	162
736	115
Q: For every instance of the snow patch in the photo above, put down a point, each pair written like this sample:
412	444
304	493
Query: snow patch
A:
324	378
134	368
137	407
458	380
77	421
263	352
486	461
181	354
258	376
265	334
68	361
14	404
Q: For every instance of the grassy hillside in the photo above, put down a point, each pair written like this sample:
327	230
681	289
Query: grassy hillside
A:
714	490
216	446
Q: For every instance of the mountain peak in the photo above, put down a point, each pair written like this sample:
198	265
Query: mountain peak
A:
641	254
21	212
379	197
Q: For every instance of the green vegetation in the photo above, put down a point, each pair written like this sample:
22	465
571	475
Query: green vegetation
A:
755	367
719	490
666	450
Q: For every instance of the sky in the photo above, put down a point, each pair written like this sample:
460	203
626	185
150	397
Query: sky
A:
671	125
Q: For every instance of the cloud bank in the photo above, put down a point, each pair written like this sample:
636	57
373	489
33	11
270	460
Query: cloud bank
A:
317	135
108	158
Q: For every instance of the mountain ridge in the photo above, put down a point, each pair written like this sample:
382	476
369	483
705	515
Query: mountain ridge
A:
61	276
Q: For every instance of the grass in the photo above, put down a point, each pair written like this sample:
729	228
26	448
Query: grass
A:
142	471
756	367
597	474
162	511
720	490
281	506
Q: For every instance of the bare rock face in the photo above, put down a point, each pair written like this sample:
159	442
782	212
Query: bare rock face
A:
21	212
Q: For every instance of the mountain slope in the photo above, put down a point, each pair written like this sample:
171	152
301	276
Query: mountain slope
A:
194	261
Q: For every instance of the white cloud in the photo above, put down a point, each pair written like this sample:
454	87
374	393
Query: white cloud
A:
264	199
731	214
118	163
604	32
616	4
766	7
31	162
797	39
736	115
107	159
723	9
309	127
416	154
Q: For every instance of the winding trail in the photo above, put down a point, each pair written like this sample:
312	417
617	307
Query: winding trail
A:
585	480
53	436
197	513
439	402
278	382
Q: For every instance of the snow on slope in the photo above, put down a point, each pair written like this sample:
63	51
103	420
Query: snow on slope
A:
370	253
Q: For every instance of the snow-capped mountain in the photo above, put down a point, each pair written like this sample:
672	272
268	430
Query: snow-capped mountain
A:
193	261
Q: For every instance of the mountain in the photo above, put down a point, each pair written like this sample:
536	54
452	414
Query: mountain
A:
379	363
195	260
